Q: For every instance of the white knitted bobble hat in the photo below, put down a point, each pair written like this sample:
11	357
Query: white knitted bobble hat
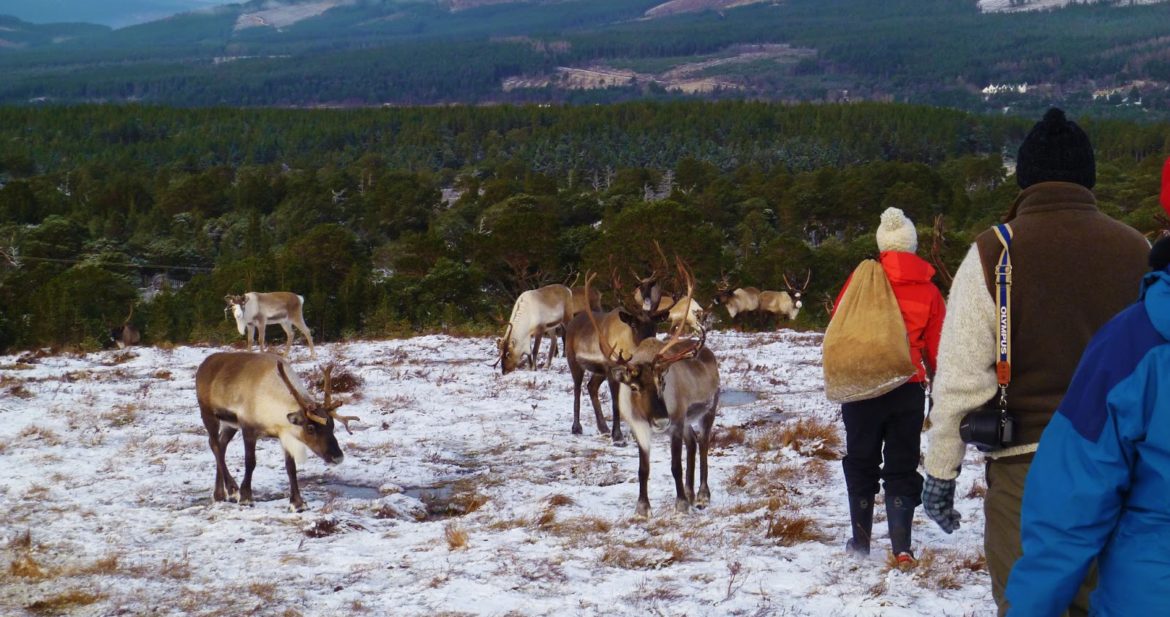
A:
896	232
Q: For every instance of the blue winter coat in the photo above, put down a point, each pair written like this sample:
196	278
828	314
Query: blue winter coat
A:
1100	483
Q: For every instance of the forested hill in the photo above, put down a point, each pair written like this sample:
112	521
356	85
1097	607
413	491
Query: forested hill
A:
1108	58
404	220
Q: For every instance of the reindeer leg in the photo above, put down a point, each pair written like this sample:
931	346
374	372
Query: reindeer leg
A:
212	425
578	374
294	493
250	437
229	484
288	334
616	436
681	504
552	350
691	448
308	337
643	508
262	328
704	438
249	335
595	385
535	350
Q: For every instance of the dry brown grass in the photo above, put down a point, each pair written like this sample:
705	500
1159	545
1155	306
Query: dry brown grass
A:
728	437
62	602
977	491
178	569
24	566
121	415
558	500
162	374
265	591
39	433
789	530
456	536
808	436
578	528
19	391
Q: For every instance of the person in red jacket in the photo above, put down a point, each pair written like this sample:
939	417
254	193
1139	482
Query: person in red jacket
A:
882	434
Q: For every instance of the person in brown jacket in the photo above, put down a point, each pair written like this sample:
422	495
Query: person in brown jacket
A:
1072	269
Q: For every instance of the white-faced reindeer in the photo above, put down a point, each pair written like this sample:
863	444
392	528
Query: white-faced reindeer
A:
623	330
258	395
255	311
536	312
672	385
748	299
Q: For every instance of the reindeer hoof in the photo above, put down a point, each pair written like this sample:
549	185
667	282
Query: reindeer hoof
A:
297	507
577	429
619	440
682	506
704	498
643	510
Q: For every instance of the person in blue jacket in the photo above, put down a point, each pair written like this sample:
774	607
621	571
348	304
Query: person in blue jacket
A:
1099	486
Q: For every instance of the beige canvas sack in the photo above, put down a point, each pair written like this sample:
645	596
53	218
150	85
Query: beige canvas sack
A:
866	349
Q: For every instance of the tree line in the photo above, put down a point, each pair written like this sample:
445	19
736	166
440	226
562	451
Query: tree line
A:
391	222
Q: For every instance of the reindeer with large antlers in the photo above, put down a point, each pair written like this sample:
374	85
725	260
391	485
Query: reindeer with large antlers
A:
258	395
673	386
748	299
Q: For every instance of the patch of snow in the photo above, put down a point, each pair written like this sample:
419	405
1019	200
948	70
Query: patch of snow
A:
1011	6
461	491
279	15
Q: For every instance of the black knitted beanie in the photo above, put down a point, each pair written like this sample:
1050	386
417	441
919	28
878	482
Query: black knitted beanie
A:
1056	149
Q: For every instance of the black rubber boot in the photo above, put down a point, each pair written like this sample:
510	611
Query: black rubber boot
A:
900	517
861	520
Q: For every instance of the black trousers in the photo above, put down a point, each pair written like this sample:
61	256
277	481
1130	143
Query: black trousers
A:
882	440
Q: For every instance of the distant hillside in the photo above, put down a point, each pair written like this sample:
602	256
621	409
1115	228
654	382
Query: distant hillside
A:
1106	58
113	13
16	34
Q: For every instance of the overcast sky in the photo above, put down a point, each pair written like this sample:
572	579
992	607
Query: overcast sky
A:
114	13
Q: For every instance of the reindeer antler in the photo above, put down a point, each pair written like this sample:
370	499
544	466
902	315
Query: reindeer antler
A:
330	405
676	336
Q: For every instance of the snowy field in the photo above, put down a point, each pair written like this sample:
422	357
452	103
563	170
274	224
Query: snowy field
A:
462	493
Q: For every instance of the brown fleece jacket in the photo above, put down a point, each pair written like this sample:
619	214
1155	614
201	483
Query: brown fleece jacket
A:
1073	268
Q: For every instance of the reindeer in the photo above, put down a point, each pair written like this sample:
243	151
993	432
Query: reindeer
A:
584	300
748	299
674	386
623	330
254	312
536	312
126	334
255	394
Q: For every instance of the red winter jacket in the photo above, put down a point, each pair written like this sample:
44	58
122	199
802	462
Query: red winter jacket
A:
922	304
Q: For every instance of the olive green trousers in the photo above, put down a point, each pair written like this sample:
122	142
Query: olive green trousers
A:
1001	532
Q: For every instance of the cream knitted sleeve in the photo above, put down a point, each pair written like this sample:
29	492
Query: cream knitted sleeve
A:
966	366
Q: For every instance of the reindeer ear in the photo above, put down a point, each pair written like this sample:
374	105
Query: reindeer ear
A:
627	318
297	418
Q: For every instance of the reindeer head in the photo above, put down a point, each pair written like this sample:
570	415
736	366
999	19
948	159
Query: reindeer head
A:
510	357
723	291
645	371
316	420
797	292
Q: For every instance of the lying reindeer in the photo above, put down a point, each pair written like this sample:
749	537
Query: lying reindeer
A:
672	385
254	394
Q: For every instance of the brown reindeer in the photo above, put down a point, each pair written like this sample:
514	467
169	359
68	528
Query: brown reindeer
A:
622	329
257	394
672	385
749	299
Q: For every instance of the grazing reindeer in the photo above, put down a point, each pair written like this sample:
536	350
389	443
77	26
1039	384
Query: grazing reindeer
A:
622	330
126	334
254	312
585	300
673	385
254	393
536	312
748	299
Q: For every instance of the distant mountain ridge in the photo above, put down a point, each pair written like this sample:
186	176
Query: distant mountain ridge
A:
1112	56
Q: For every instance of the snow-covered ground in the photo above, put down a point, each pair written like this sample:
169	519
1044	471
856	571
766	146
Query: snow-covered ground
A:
462	493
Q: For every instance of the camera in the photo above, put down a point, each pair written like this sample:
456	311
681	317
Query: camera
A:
988	429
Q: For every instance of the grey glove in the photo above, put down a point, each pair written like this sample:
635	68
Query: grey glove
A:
938	499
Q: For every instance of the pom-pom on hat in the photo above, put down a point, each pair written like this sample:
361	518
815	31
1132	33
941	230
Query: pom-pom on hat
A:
896	232
1056	149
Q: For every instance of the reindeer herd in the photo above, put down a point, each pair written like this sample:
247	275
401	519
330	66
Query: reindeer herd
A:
659	385
654	385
